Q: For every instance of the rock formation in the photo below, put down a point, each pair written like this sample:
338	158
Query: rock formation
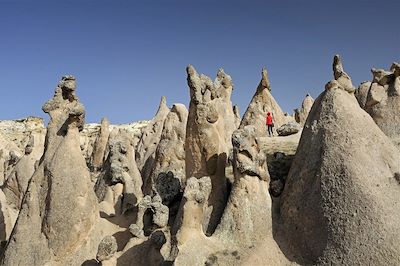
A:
168	174
9	155
119	168
288	129
100	145
201	187
246	226
301	114
262	103
44	234
17	182
145	150
210	125
381	99
339	205
340	76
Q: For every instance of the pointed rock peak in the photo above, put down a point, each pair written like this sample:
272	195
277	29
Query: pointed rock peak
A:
342	78
191	71
265	79
236	110
337	66
223	79
162	108
163	101
105	121
221	73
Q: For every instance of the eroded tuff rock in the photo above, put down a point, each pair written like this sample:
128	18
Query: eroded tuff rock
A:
191	239
301	113
262	103
381	99
107	248
119	168
211	123
288	129
59	209
9	155
100	145
145	150
17	182
340	76
340	201
168	174
152	214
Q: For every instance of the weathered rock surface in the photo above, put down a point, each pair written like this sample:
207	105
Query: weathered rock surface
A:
340	201
107	248
340	76
168	174
44	234
100	145
120	167
210	125
145	150
381	99
262	103
208	193
301	114
288	129
17	181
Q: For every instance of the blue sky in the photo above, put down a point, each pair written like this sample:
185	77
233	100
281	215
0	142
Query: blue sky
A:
127	54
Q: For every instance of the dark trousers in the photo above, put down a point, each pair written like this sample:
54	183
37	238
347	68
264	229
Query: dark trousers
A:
270	130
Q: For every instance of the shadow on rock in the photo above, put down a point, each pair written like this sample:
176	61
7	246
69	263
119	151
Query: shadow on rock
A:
145	254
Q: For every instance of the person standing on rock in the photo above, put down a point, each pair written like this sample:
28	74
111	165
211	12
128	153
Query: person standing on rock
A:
270	124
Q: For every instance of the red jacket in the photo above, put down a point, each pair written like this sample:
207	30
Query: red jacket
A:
269	120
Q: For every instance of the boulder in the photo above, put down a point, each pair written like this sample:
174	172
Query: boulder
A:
288	129
107	248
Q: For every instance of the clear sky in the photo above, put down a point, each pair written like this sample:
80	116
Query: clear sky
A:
127	54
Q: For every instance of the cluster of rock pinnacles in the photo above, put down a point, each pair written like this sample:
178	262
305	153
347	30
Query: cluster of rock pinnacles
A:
195	187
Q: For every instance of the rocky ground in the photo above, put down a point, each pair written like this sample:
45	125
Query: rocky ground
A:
203	185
